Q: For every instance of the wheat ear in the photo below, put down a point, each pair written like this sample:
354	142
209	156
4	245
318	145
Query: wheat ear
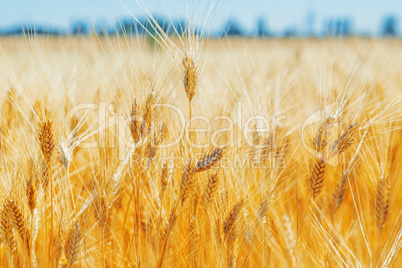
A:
231	233
341	186
18	221
345	140
46	139
194	237
209	160
164	180
339	193
31	194
316	181
148	114
210	190
190	77
186	185
321	139
73	243
134	123
383	197
319	167
7	233
47	144
231	218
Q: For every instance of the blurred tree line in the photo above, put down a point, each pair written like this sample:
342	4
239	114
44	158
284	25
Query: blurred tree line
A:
332	27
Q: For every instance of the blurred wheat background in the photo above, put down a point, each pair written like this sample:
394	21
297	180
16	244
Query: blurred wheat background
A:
85	181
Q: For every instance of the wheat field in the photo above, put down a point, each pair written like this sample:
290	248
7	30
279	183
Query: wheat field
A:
133	152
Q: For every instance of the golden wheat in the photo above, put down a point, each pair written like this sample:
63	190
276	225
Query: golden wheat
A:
118	175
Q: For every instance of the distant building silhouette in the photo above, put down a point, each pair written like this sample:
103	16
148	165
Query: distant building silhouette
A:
79	28
290	32
232	28
389	26
329	28
310	23
338	27
346	27
262	29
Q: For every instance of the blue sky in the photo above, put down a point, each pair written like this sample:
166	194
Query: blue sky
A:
366	15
